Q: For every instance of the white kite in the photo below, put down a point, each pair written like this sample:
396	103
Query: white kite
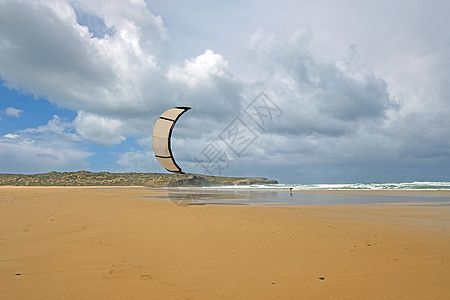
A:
162	133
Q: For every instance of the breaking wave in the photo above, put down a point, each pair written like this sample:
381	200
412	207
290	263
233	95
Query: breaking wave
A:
417	185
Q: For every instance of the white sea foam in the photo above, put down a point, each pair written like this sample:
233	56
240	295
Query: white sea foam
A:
417	185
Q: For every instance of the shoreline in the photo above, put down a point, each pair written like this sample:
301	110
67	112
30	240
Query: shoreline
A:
112	243
349	192
424	193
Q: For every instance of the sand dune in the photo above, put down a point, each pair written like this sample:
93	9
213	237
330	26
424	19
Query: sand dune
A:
111	243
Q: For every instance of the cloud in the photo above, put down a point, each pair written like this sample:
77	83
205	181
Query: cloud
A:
48	64
101	130
112	69
200	70
115	66
28	156
13	112
50	147
11	136
139	161
54	128
110	64
319	97
420	136
64	62
109	61
207	82
337	114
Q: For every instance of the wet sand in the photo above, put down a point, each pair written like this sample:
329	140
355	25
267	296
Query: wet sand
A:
120	243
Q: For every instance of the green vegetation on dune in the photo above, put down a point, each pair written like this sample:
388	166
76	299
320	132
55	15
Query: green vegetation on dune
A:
85	178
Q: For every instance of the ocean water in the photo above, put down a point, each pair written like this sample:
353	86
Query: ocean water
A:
279	194
416	185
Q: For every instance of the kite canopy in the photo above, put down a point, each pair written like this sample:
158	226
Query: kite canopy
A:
162	133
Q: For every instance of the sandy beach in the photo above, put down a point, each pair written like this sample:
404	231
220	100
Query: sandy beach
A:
120	243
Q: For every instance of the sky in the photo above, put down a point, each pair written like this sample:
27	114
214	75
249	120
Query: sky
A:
298	91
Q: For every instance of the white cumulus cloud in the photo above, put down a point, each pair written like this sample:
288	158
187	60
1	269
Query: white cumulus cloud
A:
14	112
102	130
53	146
200	70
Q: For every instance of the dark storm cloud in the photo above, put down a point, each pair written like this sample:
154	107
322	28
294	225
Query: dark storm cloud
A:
320	97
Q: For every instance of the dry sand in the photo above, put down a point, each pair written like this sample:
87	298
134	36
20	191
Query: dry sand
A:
110	243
